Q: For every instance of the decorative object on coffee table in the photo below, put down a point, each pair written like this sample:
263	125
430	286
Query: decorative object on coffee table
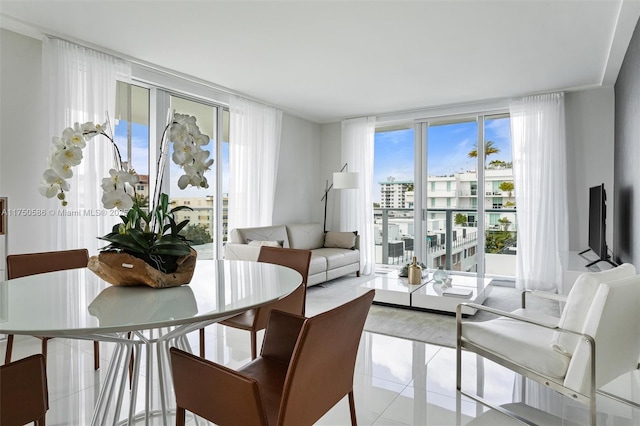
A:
404	272
415	272
440	275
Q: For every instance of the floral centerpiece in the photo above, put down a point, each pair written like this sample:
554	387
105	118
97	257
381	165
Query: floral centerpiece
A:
153	235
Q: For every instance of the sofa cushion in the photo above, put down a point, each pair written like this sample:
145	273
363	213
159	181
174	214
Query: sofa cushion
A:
262	233
345	240
306	236
259	243
318	264
337	258
579	301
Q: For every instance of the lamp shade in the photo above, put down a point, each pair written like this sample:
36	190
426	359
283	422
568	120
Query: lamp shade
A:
346	180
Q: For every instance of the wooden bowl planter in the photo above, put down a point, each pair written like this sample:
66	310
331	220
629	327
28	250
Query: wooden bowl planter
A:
122	269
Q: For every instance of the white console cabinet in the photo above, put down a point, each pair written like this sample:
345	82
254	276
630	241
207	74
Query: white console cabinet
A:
574	264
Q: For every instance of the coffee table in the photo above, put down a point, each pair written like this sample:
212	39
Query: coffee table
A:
394	290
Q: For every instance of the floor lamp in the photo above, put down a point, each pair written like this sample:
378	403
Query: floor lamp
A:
341	180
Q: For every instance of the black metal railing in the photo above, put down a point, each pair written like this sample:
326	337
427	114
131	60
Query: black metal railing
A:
396	239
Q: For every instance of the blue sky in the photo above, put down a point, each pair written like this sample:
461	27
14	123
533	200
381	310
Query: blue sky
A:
448	149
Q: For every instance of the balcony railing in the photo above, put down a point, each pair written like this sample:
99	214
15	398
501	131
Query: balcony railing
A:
451	244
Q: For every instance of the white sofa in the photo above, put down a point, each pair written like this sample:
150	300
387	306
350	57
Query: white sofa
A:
331	256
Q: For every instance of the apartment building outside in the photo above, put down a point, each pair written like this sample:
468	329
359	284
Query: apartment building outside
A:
453	196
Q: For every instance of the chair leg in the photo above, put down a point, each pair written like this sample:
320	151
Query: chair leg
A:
180	415
7	354
254	344
352	408
202	343
96	355
130	365
44	347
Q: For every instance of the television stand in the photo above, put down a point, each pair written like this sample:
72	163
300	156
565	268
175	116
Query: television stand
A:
593	262
573	264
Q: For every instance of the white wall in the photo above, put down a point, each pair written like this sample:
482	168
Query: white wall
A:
24	145
590	152
297	194
330	161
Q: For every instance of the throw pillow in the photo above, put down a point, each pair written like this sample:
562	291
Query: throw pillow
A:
345	240
257	243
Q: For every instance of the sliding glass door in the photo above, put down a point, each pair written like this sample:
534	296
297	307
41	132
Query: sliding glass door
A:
443	191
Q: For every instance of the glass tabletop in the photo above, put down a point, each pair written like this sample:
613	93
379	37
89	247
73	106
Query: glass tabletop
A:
77	302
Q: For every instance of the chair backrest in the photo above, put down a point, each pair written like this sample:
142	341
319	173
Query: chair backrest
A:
614	322
579	302
323	362
293	303
23	391
22	265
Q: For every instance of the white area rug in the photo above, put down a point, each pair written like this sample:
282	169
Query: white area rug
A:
423	326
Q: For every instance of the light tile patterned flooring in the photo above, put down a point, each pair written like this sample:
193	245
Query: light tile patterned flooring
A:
397	382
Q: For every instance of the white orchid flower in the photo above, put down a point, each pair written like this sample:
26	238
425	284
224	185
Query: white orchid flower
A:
202	140
193	180
50	177
117	199
58	144
74	137
62	169
117	180
69	155
132	177
50	190
183	153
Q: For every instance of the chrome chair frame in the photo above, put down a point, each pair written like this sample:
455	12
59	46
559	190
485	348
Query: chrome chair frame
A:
461	343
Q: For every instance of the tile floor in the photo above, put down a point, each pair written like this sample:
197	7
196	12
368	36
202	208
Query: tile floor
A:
397	382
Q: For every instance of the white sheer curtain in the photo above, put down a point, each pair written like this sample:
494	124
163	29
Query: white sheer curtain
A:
540	178
356	206
79	85
254	148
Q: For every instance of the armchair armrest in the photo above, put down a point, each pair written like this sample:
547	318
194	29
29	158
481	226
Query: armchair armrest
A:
542	295
281	336
498	312
213	391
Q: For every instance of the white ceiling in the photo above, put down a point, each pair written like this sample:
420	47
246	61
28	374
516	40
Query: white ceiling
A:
329	60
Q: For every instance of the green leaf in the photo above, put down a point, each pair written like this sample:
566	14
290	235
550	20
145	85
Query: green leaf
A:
124	241
182	225
177	209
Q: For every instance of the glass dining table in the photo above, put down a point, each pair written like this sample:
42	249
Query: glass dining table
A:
139	320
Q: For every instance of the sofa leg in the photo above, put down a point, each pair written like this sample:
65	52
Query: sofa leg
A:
358	274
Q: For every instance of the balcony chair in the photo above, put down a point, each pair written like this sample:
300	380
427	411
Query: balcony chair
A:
305	367
23	392
22	265
255	320
596	339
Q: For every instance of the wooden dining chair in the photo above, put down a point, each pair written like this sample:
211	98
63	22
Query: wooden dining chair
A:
255	320
306	366
23	392
22	265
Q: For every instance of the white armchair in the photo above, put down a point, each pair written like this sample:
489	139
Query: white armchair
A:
596	339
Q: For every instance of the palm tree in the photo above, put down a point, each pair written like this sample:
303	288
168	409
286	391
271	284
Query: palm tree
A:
489	148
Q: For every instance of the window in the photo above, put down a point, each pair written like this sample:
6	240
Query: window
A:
134	109
466	173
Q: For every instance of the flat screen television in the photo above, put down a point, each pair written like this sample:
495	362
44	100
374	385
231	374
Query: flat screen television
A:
597	224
